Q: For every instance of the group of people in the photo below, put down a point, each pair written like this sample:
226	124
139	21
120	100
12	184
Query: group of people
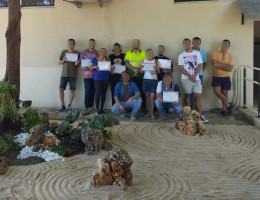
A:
145	82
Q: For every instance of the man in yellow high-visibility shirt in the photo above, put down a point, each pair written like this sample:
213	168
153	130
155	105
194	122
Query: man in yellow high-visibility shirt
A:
133	61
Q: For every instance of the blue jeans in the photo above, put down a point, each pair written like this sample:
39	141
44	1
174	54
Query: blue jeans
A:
89	92
166	105
192	100
134	105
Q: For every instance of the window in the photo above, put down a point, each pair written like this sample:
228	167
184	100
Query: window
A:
30	3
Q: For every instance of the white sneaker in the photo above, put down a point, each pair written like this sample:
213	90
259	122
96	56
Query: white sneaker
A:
133	117
122	115
204	119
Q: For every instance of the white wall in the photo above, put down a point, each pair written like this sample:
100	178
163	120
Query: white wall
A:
45	32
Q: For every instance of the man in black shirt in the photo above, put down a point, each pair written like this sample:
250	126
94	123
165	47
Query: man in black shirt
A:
116	58
161	52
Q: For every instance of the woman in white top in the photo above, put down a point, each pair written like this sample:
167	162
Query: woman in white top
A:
150	68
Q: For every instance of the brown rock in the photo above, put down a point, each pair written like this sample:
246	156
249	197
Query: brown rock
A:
49	141
36	136
102	176
191	123
3	165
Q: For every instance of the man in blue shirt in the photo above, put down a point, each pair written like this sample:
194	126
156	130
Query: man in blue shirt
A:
196	42
127	96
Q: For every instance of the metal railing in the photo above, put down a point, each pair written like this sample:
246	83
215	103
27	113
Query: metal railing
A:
254	82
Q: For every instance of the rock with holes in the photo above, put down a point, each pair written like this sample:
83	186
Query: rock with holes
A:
3	165
36	136
190	123
93	140
102	176
120	160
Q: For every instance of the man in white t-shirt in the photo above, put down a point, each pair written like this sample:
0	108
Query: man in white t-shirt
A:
190	63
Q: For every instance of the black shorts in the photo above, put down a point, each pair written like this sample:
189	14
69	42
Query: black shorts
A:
223	82
64	81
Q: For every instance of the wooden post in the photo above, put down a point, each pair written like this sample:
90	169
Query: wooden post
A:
13	41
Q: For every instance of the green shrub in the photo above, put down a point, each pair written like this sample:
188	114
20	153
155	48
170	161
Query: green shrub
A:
8	105
7	143
32	120
59	150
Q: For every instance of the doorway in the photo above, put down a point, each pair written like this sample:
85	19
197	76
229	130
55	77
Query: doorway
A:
256	60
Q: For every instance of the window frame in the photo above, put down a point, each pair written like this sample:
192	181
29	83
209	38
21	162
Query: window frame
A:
30	6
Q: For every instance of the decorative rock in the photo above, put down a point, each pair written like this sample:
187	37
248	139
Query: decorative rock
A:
3	165
93	139
36	136
102	176
53	126
124	161
44	119
191	123
116	165
49	141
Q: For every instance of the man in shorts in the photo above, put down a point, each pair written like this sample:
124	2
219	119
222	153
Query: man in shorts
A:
69	74
223	63
189	64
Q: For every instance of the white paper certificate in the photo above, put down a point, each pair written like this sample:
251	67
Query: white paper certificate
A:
85	62
165	63
119	69
148	67
72	57
170	96
104	65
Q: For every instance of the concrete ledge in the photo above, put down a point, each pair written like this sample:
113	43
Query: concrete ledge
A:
250	115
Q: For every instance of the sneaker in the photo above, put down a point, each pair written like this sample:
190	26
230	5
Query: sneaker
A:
61	109
152	116
229	108
122	115
98	112
204	119
224	113
69	108
163	117
133	117
148	115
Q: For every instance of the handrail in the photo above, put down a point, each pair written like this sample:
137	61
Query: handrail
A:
254	68
252	81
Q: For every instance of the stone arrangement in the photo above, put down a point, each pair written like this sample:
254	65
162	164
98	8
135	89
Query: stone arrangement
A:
190	123
114	169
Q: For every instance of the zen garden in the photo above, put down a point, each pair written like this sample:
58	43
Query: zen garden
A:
90	153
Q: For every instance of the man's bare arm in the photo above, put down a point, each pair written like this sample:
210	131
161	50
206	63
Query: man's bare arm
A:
224	67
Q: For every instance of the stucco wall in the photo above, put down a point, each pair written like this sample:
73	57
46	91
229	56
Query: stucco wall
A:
45	32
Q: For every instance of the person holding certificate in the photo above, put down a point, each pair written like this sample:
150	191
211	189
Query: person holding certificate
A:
167	96
127	96
117	58
69	61
101	67
85	59
161	57
150	69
